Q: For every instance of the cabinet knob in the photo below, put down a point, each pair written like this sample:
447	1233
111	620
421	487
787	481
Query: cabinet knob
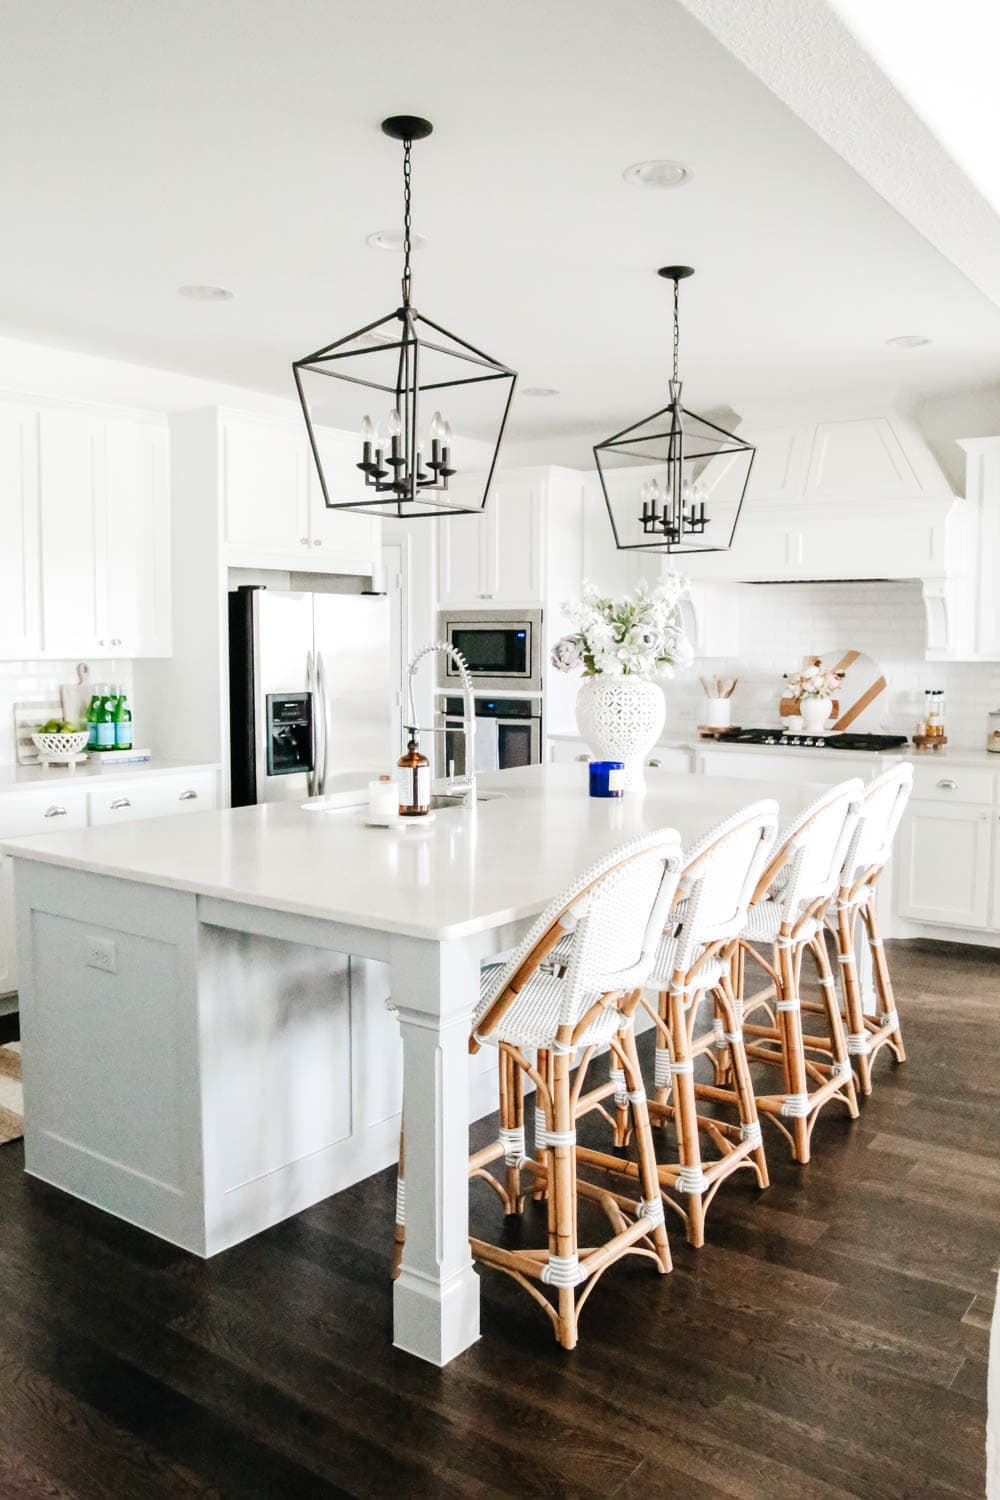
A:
947	785
54	812
303	541
316	541
100	643
120	802
188	796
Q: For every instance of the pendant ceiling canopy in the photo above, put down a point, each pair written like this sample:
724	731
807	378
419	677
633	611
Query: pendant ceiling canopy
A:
429	408
675	481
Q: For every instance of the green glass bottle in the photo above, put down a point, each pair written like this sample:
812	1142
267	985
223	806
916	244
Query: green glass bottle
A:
92	711
106	719
123	722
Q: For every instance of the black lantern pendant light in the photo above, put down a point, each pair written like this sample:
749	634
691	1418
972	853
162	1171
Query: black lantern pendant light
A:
674	482
434	383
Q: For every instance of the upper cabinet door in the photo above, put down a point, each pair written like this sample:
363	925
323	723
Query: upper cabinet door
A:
265	489
138	538
74	554
341	541
20	619
513	573
463	562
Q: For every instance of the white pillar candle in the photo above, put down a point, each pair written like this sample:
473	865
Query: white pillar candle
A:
383	798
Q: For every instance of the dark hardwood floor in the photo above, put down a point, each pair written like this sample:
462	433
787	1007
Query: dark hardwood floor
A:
830	1340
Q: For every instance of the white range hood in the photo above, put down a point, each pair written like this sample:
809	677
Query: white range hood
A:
866	499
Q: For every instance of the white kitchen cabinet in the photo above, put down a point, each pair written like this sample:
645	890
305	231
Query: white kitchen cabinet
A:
265	488
60	806
105	563
780	463
345	541
498	556
74	551
943	863
20	623
994	918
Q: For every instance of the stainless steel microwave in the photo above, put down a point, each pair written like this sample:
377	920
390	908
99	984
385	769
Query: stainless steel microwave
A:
503	648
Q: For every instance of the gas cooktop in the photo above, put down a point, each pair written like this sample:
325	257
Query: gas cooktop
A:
843	741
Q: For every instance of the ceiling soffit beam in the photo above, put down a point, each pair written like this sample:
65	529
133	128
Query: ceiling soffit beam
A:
807	57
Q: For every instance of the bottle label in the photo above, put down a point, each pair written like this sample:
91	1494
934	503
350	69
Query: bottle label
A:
415	790
123	735
105	736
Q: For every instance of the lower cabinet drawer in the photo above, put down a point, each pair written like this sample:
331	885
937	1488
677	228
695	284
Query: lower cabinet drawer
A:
953	783
21	816
161	798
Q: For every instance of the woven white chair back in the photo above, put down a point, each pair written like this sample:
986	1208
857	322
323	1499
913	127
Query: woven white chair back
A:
616	911
719	877
816	846
882	809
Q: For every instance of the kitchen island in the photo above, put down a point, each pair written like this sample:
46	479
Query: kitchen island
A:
206	1044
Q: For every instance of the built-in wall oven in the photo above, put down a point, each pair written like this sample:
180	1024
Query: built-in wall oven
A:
503	648
508	733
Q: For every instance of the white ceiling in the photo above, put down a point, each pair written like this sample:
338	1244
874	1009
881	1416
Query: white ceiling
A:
236	142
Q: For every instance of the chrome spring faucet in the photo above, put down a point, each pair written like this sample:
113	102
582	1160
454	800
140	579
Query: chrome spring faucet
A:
466	785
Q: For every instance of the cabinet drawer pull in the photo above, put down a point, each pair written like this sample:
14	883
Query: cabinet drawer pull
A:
303	541
120	802
583	757
655	764
317	542
947	785
188	796
54	812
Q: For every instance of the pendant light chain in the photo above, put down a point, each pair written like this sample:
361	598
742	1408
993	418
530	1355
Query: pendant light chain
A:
677	329
407	221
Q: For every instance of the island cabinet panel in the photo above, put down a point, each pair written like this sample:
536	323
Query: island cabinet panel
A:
107	1020
943	863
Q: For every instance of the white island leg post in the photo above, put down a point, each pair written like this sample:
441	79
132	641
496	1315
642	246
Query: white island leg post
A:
436	1296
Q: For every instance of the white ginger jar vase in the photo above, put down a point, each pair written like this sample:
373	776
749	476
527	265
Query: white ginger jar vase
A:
621	718
815	714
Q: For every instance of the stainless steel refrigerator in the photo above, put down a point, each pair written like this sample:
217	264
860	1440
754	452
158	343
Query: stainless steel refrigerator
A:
310	693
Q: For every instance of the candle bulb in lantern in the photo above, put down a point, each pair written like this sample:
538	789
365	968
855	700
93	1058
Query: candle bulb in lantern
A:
437	427
367	439
394	427
445	443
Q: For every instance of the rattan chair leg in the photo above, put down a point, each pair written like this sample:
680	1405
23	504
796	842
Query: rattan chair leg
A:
846	931
789	962
883	980
742	1083
648	1174
399	1233
512	1128
835	1022
686	1115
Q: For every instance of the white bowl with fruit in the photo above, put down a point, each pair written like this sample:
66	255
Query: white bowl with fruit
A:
58	740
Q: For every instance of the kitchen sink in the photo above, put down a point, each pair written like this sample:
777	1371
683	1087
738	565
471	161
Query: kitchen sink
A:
457	799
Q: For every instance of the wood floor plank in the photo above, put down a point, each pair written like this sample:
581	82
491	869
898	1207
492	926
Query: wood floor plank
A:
828	1343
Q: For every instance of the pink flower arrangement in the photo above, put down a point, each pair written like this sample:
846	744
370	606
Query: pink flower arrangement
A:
813	682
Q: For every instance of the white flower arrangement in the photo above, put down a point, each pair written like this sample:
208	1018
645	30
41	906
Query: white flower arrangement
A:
813	682
637	635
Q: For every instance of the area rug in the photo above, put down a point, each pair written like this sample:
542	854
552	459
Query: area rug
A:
11	1094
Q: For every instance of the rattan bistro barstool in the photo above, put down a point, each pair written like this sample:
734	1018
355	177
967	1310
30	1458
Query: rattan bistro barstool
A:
882	808
616	913
795	894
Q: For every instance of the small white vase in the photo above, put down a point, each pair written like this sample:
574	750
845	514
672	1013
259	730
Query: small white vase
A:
815	713
621	718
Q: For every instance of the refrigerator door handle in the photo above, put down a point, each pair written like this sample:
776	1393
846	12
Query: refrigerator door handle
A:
311	689
324	716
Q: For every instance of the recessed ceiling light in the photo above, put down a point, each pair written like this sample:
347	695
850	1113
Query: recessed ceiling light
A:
539	390
198	293
659	174
392	239
908	341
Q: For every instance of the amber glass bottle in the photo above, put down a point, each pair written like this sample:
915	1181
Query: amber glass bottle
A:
414	779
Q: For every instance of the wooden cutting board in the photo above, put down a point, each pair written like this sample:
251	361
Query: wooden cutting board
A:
860	687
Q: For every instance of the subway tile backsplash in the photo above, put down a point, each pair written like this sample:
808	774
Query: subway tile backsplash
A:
779	624
23	681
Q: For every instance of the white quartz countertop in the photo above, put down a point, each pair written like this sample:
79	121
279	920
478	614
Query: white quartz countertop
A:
952	755
90	775
462	873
